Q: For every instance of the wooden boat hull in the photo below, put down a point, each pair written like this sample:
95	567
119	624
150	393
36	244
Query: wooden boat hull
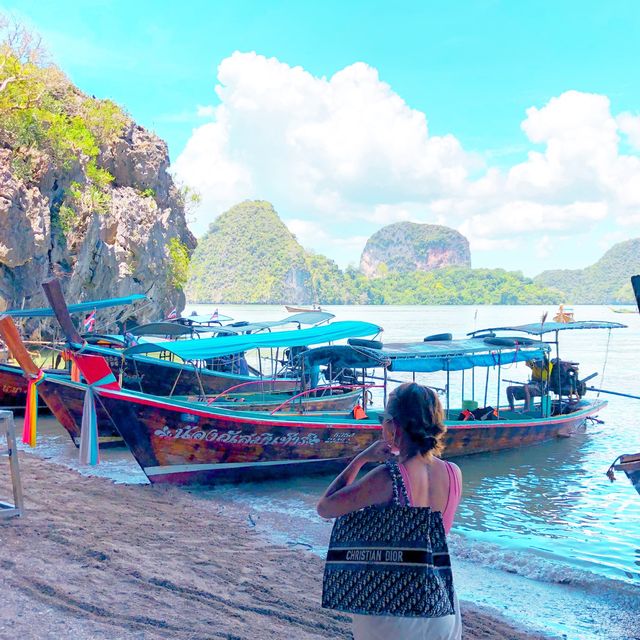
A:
181	443
630	464
13	389
300	309
66	401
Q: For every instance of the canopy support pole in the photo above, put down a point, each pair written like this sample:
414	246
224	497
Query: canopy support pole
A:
385	387
486	388
498	397
448	390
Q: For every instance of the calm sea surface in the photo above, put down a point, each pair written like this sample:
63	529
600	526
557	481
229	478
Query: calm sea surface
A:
541	534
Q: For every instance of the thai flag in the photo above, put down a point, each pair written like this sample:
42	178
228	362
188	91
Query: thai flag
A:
173	314
89	322
214	315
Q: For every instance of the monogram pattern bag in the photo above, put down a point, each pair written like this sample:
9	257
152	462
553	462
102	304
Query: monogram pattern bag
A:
389	560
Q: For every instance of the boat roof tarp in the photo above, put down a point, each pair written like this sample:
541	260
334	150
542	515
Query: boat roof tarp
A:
451	355
538	328
81	307
161	329
223	345
203	318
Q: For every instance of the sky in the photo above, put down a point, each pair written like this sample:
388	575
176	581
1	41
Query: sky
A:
515	122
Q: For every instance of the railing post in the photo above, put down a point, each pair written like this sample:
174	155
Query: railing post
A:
8	510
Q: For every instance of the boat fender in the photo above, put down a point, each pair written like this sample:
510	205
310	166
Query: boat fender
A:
369	344
511	342
439	337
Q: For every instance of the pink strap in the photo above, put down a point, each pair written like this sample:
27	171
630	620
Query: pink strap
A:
453	498
407	482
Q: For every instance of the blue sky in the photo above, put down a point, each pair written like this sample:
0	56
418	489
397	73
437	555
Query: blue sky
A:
470	70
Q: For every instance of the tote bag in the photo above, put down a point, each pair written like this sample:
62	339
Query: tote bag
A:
390	560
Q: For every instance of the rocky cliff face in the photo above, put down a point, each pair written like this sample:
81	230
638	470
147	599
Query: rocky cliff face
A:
407	246
111	244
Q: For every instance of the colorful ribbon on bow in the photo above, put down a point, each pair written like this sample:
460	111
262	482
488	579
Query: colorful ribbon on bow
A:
31	410
89	452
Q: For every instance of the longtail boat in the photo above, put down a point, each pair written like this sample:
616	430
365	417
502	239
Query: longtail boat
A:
629	463
200	376
293	309
13	385
182	442
67	401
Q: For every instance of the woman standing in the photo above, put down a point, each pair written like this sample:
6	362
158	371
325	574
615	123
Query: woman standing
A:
413	430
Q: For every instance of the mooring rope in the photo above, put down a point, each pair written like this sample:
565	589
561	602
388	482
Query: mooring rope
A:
606	359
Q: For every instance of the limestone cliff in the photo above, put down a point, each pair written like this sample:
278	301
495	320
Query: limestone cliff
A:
84	195
249	256
404	247
607	281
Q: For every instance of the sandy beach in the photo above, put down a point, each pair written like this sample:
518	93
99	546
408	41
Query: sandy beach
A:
93	559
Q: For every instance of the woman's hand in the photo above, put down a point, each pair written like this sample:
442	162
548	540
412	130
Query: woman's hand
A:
379	451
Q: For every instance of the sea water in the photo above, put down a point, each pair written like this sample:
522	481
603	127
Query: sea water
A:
541	534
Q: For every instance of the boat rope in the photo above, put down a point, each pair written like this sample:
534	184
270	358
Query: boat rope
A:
606	359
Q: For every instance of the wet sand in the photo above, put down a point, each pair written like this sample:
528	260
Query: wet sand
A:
90	559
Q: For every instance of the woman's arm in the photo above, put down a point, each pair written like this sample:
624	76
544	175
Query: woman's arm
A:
345	494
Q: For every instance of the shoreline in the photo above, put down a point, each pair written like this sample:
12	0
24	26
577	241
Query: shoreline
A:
91	559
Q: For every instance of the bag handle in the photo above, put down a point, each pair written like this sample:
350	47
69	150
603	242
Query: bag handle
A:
398	484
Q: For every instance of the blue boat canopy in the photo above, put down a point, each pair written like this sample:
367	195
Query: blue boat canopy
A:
538	328
308	318
451	355
81	307
222	345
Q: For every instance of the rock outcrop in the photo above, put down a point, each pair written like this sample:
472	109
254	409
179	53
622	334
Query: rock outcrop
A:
249	256
404	247
113	247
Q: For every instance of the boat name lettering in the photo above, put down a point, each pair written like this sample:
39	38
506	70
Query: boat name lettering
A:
340	437
7	388
236	436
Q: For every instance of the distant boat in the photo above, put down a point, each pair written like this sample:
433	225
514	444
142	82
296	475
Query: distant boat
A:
564	316
623	310
315	307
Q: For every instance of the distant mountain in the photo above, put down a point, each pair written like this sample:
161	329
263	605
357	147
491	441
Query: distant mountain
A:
249	256
405	247
605	282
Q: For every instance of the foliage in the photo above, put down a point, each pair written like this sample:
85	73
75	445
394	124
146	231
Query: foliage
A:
178	263
66	219
407	246
248	255
41	110
605	282
148	193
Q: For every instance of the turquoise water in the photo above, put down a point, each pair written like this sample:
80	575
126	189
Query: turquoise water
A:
541	534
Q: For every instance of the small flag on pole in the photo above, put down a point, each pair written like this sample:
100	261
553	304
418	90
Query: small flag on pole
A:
90	321
214	315
173	314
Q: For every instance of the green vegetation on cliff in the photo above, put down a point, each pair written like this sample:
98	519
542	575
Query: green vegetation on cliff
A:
47	121
605	282
248	255
405	247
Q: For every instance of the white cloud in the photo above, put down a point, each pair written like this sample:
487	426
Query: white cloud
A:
348	151
630	126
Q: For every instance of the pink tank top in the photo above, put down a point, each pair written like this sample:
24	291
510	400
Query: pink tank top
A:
453	499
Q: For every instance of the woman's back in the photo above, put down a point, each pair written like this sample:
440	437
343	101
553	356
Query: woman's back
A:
435	484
